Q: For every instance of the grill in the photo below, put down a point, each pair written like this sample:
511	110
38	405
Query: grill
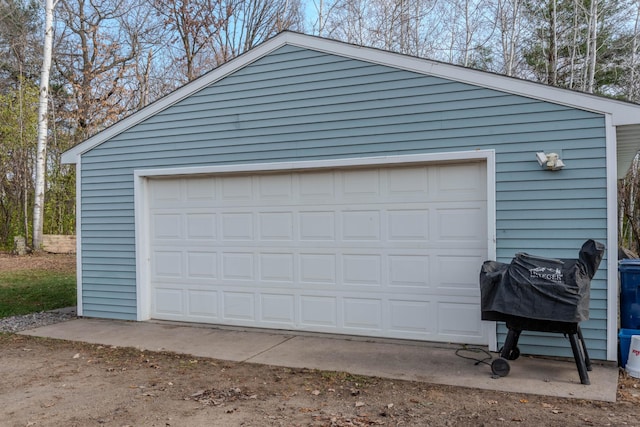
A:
533	293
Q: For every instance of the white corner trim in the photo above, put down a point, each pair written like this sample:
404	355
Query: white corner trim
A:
491	327
143	283
79	301
612	240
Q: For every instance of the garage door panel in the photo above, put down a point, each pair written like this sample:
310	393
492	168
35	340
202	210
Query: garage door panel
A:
238	266
201	226
359	313
166	226
410	317
200	189
277	267
166	264
235	189
321	311
408	184
408	224
318	268
380	252
167	192
278	309
237	226
275	188
459	319
361	225
316	187
460	182
409	271
238	306
362	270
202	264
276	226
360	186
169	301
317	225
202	303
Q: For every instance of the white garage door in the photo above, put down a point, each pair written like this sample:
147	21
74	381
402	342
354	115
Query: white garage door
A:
386	252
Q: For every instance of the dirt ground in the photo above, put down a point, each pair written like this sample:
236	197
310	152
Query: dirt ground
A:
57	383
37	261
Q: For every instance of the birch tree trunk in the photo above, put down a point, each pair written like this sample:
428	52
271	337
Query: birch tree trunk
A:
593	45
634	57
553	48
41	154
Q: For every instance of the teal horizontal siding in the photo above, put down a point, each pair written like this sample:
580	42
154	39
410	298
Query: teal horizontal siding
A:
118	310
100	284
435	140
380	126
533	234
582	184
557	194
297	104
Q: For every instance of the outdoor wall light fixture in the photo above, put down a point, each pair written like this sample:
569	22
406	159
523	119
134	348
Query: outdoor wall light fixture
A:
549	161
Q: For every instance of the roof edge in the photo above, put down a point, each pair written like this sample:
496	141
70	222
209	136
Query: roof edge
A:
623	112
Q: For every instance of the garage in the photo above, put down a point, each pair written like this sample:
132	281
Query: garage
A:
381	251
313	185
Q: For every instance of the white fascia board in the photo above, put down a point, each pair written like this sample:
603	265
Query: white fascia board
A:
622	112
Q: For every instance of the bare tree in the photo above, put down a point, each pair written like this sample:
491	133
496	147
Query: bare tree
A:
323	12
629	209
349	21
592	44
247	23
193	24
632	59
509	20
95	58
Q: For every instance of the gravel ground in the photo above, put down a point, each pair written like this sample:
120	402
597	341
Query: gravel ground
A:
34	320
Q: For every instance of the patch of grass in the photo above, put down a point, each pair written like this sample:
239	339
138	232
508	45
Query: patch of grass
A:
24	292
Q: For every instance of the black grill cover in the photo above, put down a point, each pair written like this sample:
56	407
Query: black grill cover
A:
540	288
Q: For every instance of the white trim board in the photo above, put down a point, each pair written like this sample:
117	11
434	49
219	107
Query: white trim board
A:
141	176
612	242
79	299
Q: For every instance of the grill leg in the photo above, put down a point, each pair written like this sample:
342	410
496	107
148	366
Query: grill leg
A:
587	361
576	346
510	343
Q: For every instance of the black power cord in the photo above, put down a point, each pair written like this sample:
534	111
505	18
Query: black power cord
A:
475	350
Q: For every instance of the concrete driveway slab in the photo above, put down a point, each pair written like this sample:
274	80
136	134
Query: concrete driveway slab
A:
440	365
232	345
407	360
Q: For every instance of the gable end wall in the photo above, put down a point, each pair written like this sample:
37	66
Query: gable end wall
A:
297	104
